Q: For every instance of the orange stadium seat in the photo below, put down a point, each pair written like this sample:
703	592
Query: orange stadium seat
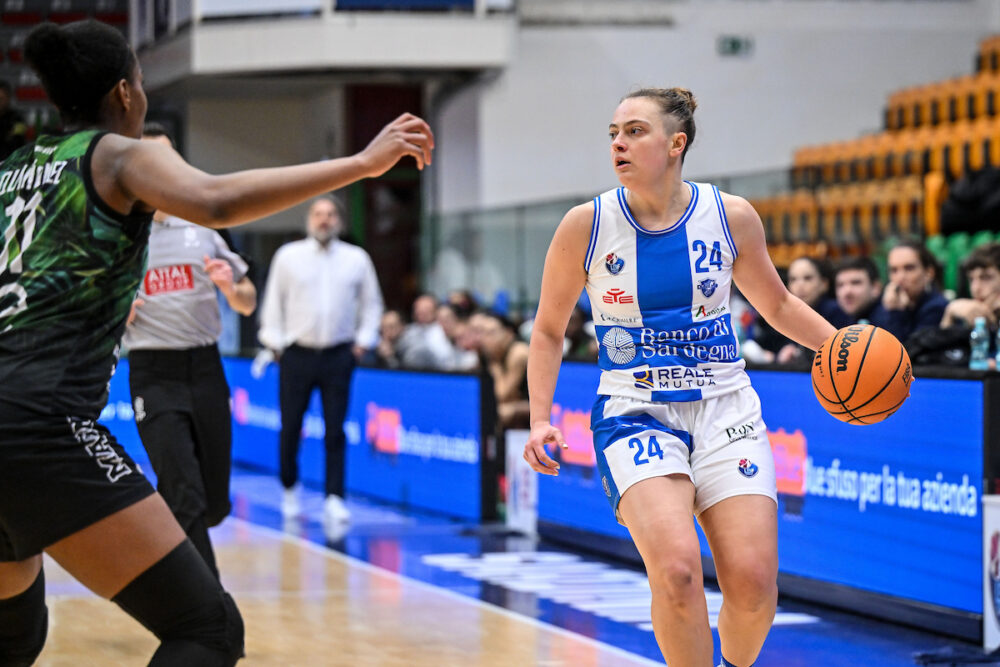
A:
894	111
803	205
963	93
923	101
805	170
936	102
984	87
986	133
826	159
988	58
881	159
950	97
907	105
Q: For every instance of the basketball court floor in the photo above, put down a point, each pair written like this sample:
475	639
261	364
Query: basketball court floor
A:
401	588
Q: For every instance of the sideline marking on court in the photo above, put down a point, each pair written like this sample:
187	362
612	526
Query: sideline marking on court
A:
350	560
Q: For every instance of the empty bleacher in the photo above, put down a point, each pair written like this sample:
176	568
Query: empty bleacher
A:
857	195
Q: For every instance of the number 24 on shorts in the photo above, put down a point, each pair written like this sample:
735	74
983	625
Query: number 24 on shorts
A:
643	451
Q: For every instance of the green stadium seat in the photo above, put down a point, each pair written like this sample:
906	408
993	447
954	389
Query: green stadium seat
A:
979	238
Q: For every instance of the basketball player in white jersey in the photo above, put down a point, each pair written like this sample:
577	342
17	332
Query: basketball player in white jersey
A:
677	426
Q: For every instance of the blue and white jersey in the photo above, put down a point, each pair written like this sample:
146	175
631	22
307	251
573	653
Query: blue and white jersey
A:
660	301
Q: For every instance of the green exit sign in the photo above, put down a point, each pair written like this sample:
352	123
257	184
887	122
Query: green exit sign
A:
734	45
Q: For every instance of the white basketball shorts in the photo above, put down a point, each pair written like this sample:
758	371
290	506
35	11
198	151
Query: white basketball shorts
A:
720	443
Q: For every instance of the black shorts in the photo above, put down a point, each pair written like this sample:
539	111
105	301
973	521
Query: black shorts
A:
59	475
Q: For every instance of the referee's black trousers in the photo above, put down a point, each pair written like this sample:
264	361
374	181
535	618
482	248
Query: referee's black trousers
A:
181	403
303	369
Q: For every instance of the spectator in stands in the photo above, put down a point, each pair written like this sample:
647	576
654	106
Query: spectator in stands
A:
506	356
809	279
424	344
13	129
454	328
982	271
858	287
911	299
390	331
949	344
463	303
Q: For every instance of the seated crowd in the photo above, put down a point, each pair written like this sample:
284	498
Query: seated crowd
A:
910	304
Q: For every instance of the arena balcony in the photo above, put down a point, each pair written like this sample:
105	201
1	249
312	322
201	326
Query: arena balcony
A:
186	41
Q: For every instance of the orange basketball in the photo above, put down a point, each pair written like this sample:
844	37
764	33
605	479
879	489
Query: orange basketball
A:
861	374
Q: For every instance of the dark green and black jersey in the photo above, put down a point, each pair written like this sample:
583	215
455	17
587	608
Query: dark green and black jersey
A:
69	270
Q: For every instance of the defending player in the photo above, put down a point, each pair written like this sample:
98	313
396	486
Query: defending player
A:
76	211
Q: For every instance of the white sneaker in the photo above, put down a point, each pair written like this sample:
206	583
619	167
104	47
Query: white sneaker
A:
290	505
334	510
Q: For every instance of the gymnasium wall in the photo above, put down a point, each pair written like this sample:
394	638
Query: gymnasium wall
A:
227	134
818	71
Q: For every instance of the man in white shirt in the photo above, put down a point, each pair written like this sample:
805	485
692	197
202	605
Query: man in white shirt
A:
320	313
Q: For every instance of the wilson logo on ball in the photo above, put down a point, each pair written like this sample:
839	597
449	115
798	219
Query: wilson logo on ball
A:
851	336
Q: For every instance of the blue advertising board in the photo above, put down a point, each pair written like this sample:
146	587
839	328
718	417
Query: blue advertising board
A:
890	508
417	441
413	438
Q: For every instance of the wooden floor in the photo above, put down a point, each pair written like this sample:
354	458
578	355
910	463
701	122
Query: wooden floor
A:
305	605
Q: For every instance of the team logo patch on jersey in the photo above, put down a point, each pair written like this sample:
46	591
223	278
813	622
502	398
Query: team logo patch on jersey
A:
614	263
163	279
707	286
619	344
748	468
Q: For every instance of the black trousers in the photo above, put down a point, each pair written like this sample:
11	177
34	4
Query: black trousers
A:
181	403
302	370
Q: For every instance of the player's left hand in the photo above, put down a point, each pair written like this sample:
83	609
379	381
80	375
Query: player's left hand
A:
219	272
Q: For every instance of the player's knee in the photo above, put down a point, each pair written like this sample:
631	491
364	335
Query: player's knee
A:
24	624
181	603
677	579
751	587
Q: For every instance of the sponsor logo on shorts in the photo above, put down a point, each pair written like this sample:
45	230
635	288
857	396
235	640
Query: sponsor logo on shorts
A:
607	487
748	468
95	442
741	432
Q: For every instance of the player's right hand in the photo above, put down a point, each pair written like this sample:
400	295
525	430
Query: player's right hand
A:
407	135
535	452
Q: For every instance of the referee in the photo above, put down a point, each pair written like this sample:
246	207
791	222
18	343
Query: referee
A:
179	391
